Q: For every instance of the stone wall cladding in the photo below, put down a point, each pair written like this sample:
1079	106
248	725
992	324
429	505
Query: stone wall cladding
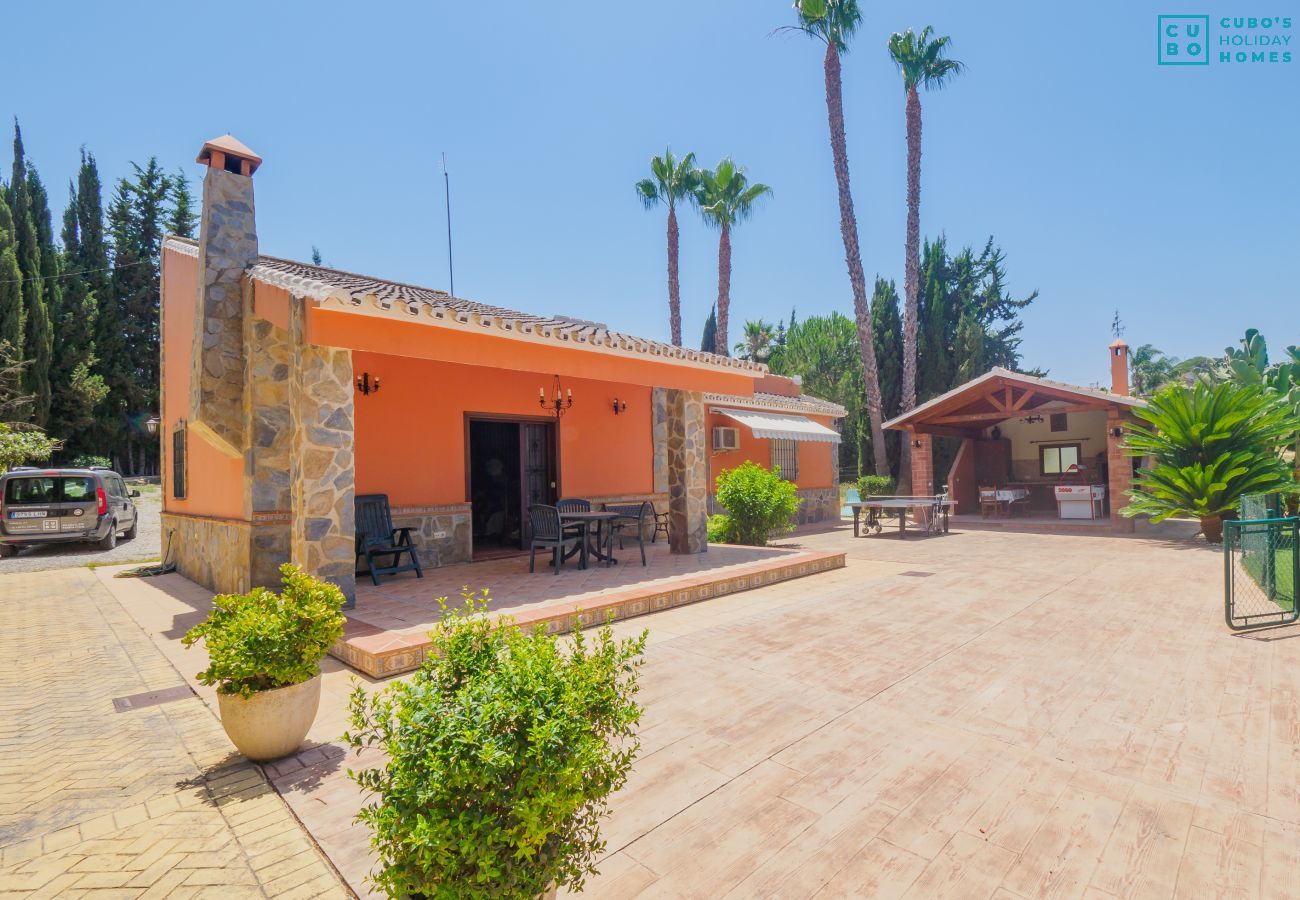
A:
819	505
688	471
322	458
1119	466
451	521
227	247
659	438
269	428
210	552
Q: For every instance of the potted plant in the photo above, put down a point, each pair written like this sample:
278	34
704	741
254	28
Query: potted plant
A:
1209	445
502	751
264	653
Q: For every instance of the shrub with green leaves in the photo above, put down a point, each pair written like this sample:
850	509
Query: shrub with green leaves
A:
89	460
875	485
19	445
720	529
262	640
1210	445
502	752
758	501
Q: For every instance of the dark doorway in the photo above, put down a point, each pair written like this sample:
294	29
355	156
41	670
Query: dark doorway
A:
511	466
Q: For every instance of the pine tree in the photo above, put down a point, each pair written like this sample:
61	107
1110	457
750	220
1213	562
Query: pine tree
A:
37	341
182	219
11	285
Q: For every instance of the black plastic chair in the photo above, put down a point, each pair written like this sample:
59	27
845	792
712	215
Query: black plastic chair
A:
376	536
635	518
573	504
548	534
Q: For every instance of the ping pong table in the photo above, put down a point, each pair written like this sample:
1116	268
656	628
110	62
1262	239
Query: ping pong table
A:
879	507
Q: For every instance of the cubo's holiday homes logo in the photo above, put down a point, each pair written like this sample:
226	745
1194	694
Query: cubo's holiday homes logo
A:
1184	40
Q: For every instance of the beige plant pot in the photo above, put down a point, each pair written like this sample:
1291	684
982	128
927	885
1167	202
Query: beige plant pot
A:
270	724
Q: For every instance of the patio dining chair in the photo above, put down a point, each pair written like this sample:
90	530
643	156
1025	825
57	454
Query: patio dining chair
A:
633	520
376	537
549	535
573	504
989	502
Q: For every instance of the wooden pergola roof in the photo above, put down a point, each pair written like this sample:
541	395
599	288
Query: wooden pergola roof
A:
1001	394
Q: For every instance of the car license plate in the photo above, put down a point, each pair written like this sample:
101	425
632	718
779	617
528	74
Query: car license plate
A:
28	514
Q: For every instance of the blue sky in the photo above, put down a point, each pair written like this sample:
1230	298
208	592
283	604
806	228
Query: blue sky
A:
1110	182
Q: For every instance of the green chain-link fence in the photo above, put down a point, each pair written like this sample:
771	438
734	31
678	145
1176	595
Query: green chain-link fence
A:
1261	566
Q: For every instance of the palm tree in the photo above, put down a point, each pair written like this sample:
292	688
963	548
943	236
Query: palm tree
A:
921	61
672	180
833	22
760	339
726	198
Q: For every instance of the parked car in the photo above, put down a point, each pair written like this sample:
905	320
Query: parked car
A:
58	506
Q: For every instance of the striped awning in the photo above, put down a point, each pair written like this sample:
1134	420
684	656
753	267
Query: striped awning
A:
782	427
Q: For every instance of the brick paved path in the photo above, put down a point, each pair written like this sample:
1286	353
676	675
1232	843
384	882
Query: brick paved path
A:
152	802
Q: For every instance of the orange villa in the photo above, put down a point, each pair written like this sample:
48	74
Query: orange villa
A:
288	389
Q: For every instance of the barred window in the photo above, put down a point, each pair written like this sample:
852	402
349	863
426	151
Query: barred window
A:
785	456
178	463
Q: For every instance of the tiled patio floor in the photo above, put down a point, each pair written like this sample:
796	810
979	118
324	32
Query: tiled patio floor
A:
387	632
985	714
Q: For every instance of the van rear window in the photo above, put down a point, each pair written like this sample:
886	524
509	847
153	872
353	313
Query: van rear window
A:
49	490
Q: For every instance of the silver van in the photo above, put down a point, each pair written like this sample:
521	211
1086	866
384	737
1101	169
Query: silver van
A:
54	506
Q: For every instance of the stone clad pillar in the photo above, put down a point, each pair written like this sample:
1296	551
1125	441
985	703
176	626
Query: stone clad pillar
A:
688	471
268	425
322	459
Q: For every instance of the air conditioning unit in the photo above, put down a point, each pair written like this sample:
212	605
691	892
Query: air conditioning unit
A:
725	438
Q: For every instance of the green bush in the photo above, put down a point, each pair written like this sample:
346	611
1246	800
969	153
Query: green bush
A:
721	531
262	640
88	460
19	445
875	485
502	751
758	501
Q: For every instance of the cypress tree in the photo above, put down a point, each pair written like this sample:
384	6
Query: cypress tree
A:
75	389
113	359
709	341
11	285
37	341
887	332
40	334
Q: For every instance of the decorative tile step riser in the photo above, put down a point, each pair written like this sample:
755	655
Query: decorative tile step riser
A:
560	619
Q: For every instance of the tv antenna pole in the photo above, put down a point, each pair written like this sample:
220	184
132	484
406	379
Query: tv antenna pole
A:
446	185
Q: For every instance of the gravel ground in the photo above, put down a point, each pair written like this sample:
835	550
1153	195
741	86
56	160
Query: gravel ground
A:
61	556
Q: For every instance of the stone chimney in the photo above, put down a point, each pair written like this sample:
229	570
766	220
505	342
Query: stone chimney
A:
1119	367
227	248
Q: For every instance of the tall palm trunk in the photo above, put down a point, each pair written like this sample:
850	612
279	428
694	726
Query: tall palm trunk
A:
674	287
853	257
724	290
912	270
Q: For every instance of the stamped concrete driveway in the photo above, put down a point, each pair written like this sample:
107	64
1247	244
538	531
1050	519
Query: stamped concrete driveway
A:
982	714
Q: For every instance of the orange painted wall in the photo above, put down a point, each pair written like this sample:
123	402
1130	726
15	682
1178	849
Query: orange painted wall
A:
376	334
410	435
817	466
215	482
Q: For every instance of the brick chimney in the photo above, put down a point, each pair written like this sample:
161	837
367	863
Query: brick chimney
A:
1119	367
227	248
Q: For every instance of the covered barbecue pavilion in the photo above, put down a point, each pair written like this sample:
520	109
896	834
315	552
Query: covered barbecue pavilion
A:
1011	428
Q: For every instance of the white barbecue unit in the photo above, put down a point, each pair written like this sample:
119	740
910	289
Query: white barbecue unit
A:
1080	501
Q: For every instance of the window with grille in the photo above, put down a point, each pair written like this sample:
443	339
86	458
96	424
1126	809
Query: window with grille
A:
178	463
1059	422
785	456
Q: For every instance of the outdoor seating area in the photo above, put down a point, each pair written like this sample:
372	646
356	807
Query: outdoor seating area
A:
387	632
572	528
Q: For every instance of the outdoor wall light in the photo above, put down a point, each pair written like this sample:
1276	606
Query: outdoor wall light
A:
619	406
1032	420
560	403
1117	432
151	425
918	443
366	386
